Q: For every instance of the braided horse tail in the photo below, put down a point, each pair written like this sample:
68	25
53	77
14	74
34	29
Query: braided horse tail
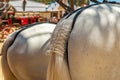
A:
58	68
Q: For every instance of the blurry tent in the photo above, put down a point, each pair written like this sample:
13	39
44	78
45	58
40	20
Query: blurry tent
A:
30	6
35	6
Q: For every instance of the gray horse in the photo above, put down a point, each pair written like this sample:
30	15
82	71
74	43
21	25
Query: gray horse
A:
23	53
91	36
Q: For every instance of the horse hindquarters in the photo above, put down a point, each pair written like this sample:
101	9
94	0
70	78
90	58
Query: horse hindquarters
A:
28	65
8	75
26	57
93	48
24	53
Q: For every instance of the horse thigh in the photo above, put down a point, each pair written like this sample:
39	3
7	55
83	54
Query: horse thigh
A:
27	59
89	59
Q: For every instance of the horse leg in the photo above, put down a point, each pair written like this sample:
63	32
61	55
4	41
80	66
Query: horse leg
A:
8	75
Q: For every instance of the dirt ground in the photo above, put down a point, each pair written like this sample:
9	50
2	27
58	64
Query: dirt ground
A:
1	75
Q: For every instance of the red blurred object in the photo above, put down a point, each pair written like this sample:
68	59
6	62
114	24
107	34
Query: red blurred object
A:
32	20
9	21
24	20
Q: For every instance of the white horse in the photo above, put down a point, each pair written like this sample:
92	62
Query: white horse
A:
91	36
23	53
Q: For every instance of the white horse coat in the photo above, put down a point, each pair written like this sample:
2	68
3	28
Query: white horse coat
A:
93	45
23	53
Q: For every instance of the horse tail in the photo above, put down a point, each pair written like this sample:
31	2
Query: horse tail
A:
58	68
